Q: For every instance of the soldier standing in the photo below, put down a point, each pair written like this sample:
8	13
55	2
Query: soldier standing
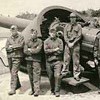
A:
32	50
14	48
97	55
53	47
72	35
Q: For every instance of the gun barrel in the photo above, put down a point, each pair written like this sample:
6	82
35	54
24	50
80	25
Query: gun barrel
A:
8	21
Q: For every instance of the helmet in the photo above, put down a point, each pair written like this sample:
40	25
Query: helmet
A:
13	27
52	30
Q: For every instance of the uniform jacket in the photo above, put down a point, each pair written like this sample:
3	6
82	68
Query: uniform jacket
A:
36	47
14	46
97	47
49	45
72	33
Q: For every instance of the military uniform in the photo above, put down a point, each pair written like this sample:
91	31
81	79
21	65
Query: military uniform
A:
54	62
97	54
34	62
14	48
72	34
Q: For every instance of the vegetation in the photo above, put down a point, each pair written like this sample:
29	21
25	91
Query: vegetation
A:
27	15
91	13
86	13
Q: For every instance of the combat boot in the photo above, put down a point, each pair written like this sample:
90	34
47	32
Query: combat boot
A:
99	88
57	94
36	94
52	93
77	78
99	92
31	92
12	92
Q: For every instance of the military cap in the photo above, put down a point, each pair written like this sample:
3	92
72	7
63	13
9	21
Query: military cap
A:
72	15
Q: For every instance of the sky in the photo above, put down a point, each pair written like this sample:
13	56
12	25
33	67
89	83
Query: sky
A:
15	7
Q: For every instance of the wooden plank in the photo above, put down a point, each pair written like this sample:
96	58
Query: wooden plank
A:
91	86
73	82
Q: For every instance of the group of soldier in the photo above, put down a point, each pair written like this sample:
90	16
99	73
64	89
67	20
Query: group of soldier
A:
56	62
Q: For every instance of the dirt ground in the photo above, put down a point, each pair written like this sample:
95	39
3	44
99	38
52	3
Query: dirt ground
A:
85	91
66	90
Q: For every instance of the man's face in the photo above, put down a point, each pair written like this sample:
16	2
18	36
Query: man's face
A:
73	19
53	34
34	34
13	31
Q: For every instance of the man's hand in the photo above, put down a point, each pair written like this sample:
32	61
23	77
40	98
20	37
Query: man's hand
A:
96	61
29	49
70	45
10	46
64	68
56	49
10	49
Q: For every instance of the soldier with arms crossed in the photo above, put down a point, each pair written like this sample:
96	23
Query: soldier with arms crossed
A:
32	49
14	48
53	47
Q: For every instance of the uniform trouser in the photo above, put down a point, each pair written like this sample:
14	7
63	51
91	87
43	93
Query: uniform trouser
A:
98	69
54	74
34	71
14	65
73	53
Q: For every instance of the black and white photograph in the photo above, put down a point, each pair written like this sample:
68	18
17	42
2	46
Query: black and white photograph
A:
49	50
